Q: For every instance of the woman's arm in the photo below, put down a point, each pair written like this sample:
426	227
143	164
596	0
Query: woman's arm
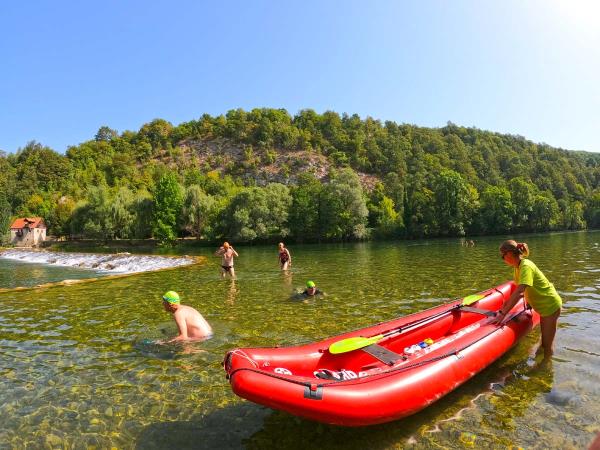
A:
512	301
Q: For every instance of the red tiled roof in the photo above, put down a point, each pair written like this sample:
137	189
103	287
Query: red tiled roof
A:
30	222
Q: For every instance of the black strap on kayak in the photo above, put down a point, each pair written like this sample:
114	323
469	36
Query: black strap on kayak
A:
485	312
383	354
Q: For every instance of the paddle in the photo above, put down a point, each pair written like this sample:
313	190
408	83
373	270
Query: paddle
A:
354	343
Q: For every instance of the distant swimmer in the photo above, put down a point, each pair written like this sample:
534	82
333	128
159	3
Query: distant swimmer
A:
190	322
226	252
285	259
311	289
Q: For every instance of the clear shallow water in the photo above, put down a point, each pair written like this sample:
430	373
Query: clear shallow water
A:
75	372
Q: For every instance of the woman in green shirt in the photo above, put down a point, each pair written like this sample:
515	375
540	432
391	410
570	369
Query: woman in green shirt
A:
538	291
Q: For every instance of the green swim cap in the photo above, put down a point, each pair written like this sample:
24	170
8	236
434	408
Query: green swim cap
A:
310	284
171	297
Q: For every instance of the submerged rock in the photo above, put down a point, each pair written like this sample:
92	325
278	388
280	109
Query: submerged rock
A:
562	398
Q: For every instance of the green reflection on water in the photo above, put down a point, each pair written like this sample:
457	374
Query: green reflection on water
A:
76	372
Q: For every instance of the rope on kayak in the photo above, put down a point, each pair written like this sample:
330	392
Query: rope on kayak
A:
241	354
333	383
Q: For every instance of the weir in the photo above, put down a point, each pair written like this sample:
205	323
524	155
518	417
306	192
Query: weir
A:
119	263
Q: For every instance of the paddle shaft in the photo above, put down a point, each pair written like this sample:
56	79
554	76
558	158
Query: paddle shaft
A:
418	323
355	343
424	320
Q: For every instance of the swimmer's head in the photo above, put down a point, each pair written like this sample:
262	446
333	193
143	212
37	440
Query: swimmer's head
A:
310	284
226	245
171	297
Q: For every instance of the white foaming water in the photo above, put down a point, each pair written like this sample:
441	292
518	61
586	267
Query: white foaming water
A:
110	263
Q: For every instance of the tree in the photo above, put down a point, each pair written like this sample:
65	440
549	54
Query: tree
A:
105	134
279	201
571	214
62	215
143	206
122	213
198	211
343	210
168	200
394	188
5	218
522	195
304	219
257	213
452	203
497	210
544	212
42	169
420	218
382	213
92	217
592	213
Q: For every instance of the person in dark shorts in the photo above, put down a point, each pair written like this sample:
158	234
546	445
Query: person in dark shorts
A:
226	252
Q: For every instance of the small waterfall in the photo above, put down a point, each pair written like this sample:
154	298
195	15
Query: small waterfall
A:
108	263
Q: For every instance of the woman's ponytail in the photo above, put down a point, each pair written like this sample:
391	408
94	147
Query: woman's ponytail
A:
523	249
514	247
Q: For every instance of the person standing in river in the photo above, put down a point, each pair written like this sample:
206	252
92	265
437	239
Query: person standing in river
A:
285	259
226	252
536	288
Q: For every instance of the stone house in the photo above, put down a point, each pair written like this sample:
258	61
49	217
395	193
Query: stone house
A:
28	232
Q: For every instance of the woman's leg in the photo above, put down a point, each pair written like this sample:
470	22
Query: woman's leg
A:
548	325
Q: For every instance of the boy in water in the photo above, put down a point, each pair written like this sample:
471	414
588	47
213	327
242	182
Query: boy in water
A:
227	253
190	322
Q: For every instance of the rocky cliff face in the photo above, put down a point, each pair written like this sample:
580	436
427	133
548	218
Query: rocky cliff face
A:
258	166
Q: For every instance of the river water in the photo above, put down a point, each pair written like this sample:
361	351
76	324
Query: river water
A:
77	371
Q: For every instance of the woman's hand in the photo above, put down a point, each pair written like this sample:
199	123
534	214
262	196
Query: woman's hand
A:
500	317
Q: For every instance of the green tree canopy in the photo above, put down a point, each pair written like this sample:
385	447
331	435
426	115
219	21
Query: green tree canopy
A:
168	201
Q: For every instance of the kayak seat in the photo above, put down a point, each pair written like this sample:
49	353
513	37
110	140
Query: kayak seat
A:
383	354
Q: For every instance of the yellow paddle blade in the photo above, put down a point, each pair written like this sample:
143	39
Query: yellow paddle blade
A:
470	299
353	343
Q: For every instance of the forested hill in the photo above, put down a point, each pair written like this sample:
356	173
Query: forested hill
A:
265	175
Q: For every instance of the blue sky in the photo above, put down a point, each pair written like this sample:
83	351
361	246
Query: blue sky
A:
522	67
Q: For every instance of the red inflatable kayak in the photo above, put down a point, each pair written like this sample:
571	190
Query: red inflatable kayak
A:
384	372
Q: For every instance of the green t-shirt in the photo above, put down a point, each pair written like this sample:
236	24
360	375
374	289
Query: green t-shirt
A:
539	293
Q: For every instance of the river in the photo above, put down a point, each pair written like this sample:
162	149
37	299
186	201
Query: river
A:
76	370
